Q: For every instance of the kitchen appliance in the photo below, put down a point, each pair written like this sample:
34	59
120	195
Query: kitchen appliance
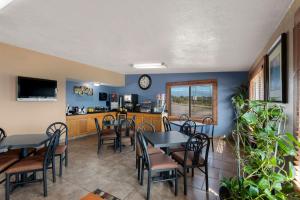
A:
121	101
160	103
130	101
113	102
102	96
146	106
35	89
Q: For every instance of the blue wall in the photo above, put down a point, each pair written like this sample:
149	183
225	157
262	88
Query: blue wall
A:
227	82
86	101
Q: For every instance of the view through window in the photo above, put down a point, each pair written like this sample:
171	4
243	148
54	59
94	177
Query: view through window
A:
197	99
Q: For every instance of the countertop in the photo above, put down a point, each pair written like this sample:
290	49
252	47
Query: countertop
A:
112	111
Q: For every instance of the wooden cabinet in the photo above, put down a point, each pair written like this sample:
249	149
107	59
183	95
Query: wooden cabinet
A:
155	119
80	125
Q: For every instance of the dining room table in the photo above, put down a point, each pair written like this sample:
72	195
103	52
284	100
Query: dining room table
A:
166	140
180	123
24	142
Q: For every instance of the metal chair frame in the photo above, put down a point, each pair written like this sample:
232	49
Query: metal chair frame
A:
208	129
63	128
101	139
49	162
147	163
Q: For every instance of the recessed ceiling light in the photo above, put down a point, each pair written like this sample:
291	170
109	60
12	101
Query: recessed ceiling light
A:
97	84
149	66
4	3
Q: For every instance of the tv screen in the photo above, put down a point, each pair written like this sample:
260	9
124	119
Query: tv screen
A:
34	89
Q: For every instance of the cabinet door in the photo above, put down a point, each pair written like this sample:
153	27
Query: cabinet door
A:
73	127
156	121
91	125
82	126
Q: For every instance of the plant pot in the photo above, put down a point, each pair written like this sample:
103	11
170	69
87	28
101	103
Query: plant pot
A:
224	193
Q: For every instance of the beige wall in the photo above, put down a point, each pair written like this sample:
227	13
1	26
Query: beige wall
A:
34	117
286	25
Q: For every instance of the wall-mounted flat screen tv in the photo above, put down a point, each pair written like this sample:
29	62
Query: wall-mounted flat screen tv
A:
35	89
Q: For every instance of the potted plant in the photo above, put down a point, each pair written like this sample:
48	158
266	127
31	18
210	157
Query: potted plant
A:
262	147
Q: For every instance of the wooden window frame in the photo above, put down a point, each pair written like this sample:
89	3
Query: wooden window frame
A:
214	84
261	66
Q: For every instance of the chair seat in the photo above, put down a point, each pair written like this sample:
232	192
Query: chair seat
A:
161	162
179	157
27	164
176	149
108	131
152	150
6	161
60	149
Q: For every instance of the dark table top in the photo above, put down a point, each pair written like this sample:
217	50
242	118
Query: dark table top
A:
23	141
180	123
166	139
112	123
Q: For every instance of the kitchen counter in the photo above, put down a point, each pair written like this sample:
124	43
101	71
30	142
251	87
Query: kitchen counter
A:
84	124
97	112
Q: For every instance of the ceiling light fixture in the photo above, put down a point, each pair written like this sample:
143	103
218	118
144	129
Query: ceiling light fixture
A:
150	66
97	84
4	3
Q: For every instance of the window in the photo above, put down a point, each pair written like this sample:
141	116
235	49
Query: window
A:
197	99
257	87
257	80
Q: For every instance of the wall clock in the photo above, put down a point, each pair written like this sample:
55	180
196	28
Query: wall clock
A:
145	82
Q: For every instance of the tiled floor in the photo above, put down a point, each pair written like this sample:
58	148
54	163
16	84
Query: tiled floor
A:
115	173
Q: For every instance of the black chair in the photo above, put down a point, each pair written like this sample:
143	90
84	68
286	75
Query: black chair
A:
208	129
34	164
121	116
2	134
147	127
167	125
7	158
105	137
157	163
126	129
62	148
151	150
192	157
108	119
183	117
188	128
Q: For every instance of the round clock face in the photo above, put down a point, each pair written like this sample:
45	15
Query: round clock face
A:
145	82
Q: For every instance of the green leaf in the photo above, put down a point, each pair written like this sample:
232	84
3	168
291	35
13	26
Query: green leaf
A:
250	118
277	186
263	184
269	195
288	150
293	139
291	171
253	191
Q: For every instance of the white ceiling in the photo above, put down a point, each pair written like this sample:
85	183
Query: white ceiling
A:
187	35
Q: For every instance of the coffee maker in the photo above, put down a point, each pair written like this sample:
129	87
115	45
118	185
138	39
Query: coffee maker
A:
130	101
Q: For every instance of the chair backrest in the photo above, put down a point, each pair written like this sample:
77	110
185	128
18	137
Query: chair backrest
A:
107	118
188	128
98	128
51	146
209	126
121	116
2	134
167	124
133	118
62	127
143	147
183	117
147	127
124	127
198	144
